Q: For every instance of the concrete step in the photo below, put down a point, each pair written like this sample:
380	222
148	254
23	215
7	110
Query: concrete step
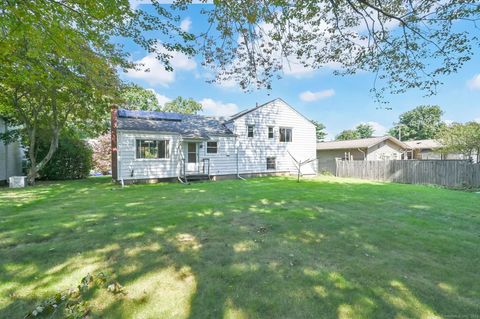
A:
197	177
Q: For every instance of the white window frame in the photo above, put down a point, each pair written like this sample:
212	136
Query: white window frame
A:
273	132
167	149
274	163
248	130
280	134
216	147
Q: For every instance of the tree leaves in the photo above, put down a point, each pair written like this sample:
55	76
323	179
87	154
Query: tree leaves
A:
406	44
182	105
423	122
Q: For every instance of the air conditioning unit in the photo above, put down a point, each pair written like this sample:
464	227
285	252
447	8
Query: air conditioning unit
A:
17	181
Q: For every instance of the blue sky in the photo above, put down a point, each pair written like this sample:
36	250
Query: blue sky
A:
338	102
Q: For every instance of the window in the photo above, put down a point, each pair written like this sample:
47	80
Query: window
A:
152	149
191	152
285	134
271	162
250	130
212	147
270	132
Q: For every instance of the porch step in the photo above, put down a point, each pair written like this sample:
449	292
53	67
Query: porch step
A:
197	177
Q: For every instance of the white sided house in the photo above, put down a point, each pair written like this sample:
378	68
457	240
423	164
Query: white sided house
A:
369	149
265	140
11	156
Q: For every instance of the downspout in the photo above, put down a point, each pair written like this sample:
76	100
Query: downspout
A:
364	155
238	169
182	162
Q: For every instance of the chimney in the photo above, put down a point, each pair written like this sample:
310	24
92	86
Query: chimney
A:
256	104
113	132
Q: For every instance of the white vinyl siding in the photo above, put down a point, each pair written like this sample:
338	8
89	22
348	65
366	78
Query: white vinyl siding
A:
222	162
249	152
254	151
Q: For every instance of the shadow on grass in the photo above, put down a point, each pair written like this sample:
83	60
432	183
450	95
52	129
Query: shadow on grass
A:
256	249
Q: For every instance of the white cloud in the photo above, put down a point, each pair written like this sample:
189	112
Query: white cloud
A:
227	84
474	83
135	3
162	99
218	108
309	96
378	129
477	120
186	24
153	71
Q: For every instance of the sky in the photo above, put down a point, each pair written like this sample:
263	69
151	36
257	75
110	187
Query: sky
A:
339	102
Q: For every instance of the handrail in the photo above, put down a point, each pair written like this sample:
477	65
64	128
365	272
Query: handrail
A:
208	166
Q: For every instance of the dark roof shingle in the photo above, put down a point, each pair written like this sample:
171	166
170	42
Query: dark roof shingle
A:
189	126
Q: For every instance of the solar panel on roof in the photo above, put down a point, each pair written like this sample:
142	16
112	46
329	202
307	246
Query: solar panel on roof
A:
149	115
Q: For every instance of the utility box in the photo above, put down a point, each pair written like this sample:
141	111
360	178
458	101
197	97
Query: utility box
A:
17	181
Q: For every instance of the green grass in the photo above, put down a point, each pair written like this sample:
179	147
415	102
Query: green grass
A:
261	248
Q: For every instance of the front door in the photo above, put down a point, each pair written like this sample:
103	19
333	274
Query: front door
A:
192	157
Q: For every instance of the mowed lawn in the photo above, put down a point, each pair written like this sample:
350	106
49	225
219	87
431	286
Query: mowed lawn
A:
261	248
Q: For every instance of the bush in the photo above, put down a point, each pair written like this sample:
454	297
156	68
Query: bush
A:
72	160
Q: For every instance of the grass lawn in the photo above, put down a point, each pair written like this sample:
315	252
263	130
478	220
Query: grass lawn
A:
261	248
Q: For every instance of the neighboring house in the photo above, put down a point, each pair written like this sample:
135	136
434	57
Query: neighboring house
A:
259	141
430	150
372	149
11	156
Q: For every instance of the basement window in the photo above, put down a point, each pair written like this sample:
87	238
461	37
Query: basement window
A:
152	149
271	163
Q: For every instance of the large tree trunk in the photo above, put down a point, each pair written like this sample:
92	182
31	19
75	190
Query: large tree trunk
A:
34	167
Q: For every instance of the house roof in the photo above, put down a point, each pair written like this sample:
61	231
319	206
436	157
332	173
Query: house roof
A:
245	112
357	143
189	126
423	144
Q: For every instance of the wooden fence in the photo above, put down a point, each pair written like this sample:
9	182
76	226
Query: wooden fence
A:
451	173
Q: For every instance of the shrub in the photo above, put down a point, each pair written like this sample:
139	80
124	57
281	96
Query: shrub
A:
72	160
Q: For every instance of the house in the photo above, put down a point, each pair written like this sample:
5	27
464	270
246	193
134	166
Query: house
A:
430	150
263	140
372	149
11	156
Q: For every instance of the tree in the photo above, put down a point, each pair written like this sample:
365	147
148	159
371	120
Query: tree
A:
347	135
102	154
423	122
320	130
364	130
45	92
100	23
299	164
461	138
406	44
58	61
134	97
181	105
